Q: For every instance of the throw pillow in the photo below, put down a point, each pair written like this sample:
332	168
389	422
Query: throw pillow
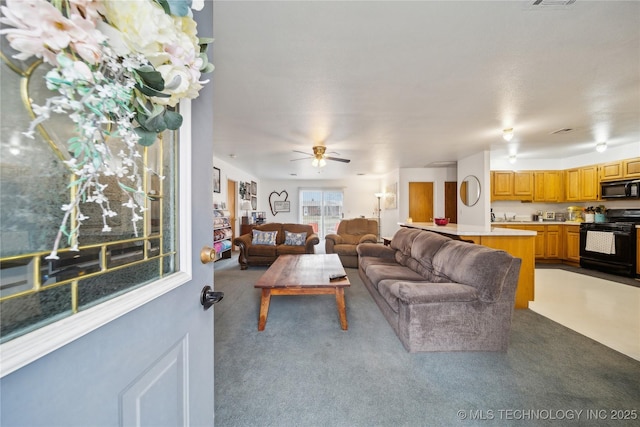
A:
264	238
295	239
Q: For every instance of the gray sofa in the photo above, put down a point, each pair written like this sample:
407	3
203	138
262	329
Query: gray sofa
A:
440	294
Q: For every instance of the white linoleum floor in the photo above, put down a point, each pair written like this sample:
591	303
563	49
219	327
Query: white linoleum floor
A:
605	311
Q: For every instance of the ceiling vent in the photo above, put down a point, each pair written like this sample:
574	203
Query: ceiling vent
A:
441	164
561	131
552	3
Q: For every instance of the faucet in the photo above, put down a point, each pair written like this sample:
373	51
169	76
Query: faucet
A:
505	216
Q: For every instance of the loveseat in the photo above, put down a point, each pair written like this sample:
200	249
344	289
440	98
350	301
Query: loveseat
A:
351	233
441	294
264	247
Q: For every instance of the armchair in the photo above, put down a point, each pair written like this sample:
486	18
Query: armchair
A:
351	233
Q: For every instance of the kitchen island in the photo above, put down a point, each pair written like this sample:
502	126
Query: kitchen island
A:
519	243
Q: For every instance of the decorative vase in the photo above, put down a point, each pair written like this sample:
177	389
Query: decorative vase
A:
600	217
589	217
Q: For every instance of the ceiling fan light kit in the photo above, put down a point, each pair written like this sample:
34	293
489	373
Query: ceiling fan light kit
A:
320	158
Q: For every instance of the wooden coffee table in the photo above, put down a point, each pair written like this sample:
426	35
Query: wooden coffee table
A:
303	275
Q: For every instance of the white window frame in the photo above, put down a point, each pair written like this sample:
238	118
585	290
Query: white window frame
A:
28	348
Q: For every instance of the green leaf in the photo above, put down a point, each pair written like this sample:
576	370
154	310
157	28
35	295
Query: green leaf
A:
147	138
172	119
152	92
126	188
151	78
156	124
165	5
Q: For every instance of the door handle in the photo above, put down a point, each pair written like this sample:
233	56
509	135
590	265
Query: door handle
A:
208	297
207	254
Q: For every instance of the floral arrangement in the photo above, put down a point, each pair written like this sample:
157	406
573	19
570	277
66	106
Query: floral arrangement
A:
118	68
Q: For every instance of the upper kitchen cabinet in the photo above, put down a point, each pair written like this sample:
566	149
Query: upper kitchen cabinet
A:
509	185
581	184
547	186
611	171
631	168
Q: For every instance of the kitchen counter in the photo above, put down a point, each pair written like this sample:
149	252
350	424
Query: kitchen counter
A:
469	230
498	223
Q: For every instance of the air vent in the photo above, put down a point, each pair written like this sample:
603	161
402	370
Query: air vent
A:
442	164
552	3
561	131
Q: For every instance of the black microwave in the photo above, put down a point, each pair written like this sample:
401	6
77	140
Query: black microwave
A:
620	189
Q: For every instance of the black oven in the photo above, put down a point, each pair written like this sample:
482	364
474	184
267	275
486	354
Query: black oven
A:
629	189
611	246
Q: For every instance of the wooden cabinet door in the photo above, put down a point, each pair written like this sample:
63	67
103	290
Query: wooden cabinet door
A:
572	185
589	183
572	243
631	168
612	170
523	185
502	184
553	242
547	186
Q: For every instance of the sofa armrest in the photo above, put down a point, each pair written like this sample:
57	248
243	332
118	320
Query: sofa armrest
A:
369	238
375	250
334	238
311	241
425	293
243	242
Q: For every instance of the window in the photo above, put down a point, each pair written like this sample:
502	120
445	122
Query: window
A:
322	209
34	184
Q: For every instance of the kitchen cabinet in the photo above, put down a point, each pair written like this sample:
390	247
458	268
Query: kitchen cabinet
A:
631	168
547	186
547	243
509	185
611	171
572	243
582	184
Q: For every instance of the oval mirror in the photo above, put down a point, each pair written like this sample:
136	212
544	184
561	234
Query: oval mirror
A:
470	190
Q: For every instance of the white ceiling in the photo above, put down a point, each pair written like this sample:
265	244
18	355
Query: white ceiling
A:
403	84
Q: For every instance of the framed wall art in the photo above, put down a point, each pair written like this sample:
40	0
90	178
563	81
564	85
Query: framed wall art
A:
216	180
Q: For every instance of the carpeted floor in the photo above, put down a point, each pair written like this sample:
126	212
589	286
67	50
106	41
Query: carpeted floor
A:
303	370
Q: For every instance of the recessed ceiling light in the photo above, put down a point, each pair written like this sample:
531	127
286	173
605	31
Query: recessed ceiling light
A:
601	147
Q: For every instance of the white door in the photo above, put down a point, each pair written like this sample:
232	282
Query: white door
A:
144	358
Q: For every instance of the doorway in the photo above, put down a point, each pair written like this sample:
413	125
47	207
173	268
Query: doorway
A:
451	201
231	204
322	209
421	201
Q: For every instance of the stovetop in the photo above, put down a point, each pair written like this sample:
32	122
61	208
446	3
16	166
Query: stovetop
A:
628	216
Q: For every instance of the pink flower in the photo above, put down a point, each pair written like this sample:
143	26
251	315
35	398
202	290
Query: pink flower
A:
42	30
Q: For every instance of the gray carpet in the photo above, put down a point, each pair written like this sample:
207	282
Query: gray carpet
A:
303	370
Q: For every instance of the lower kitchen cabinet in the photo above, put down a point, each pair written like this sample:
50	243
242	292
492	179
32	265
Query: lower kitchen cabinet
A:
572	243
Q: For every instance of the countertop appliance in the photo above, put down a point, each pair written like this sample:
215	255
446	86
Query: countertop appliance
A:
611	246
629	189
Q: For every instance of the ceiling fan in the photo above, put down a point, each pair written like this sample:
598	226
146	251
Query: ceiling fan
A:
319	156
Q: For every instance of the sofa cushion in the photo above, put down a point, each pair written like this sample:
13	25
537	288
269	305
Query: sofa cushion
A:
262	250
379	272
366	261
290	250
401	242
344	249
267	238
474	265
295	239
424	293
423	249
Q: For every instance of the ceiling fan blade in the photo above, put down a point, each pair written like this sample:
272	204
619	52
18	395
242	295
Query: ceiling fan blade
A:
306	153
337	159
302	158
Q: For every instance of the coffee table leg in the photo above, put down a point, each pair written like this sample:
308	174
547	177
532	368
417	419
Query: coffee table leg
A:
264	308
342	309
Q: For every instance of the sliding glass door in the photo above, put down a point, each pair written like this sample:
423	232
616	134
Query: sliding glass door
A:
322	209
